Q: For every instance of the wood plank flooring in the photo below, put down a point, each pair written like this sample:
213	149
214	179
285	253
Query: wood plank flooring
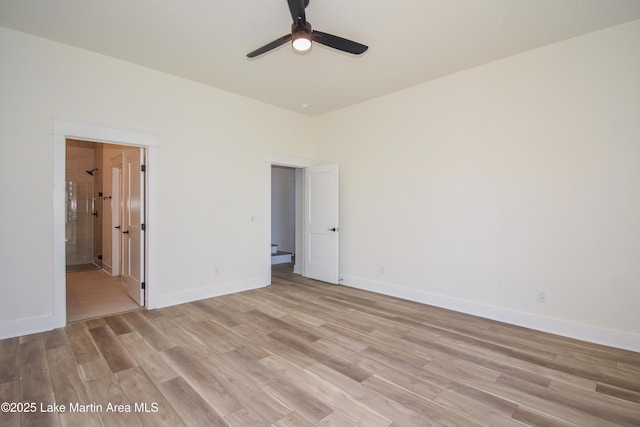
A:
304	353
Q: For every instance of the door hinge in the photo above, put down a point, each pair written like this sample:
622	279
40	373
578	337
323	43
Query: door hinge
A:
142	227
143	168
142	285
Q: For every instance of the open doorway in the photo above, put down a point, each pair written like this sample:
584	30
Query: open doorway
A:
316	217
104	242
283	216
285	212
286	218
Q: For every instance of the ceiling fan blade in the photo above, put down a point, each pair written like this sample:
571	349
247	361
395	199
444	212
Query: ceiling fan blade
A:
269	46
296	7
339	43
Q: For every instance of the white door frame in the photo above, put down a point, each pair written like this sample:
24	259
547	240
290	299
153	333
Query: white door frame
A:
64	129
298	163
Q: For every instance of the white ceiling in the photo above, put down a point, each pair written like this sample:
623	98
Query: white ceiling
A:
410	41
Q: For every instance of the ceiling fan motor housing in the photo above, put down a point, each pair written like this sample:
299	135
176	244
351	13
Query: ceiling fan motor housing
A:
301	26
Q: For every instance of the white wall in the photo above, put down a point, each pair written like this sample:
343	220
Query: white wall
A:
205	135
283	208
473	190
477	189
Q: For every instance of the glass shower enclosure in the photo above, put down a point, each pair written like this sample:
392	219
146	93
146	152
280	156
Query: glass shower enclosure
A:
81	226
83	205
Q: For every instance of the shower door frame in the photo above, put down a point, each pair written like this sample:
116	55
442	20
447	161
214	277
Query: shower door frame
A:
64	129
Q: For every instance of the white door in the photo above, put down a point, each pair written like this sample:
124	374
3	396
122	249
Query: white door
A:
321	223
117	163
132	229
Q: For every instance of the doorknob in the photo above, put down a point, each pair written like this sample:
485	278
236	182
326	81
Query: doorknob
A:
125	232
117	226
333	229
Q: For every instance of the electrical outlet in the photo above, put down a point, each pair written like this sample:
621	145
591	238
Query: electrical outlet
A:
216	270
542	295
383	268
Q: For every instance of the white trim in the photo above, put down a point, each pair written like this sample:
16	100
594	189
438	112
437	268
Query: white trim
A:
59	316
151	233
581	331
299	245
96	132
290	161
64	129
212	291
31	325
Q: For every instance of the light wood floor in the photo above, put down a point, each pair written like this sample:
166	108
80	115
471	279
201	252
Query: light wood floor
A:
302	353
94	293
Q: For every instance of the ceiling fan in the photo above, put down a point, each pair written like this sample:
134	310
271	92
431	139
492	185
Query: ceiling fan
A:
302	35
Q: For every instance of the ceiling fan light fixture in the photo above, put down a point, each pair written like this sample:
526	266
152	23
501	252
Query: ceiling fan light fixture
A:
302	43
301	37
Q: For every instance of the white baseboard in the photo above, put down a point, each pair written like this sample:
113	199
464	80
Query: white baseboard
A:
217	290
581	331
585	332
31	325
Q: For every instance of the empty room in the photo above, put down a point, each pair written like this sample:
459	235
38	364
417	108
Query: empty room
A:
451	189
